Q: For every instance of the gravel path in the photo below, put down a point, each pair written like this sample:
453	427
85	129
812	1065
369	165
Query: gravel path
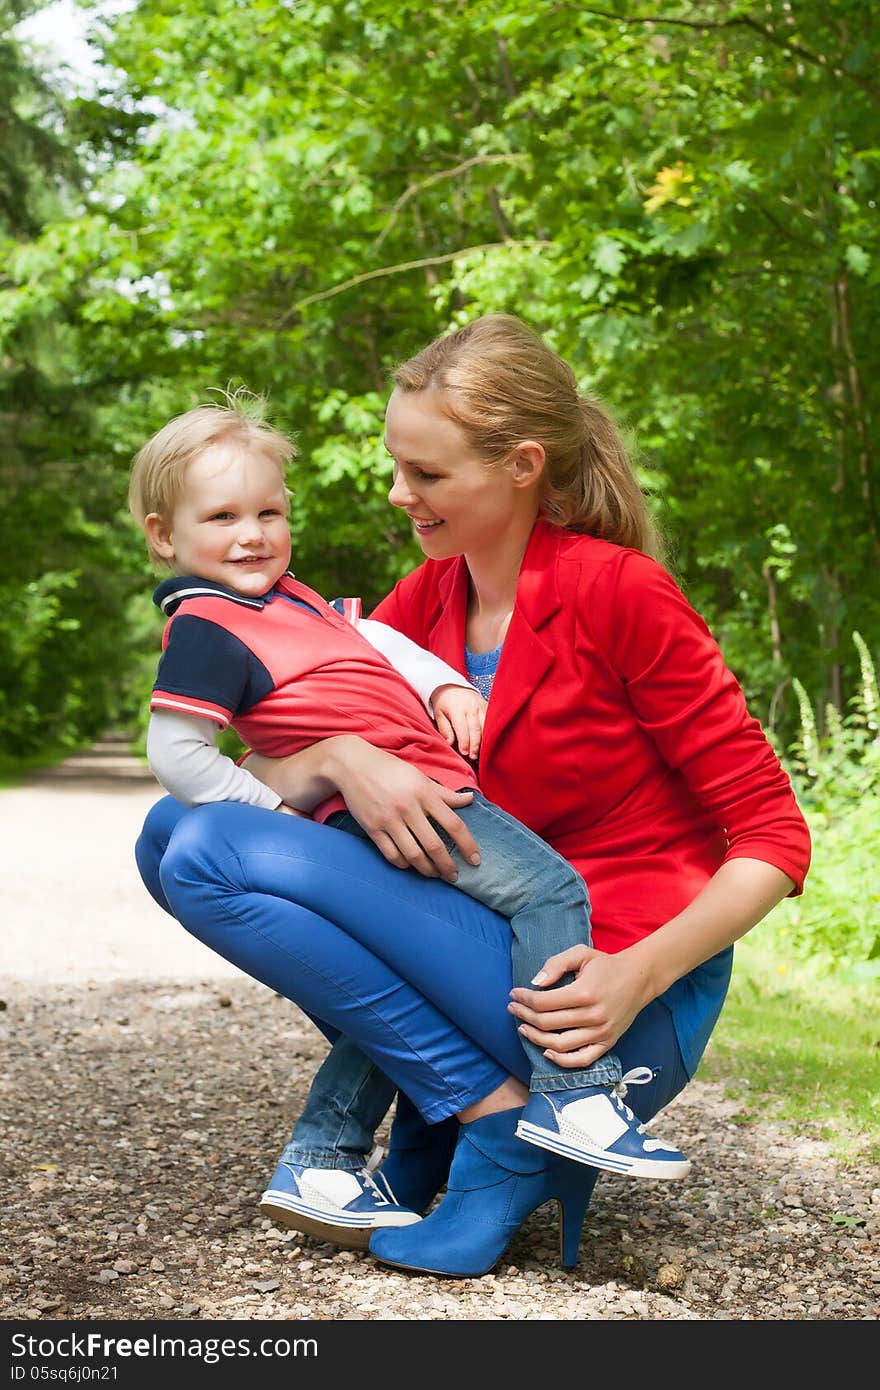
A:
148	1086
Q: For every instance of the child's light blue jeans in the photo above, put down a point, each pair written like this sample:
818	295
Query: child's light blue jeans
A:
546	900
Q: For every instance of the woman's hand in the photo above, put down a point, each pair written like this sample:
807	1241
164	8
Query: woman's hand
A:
396	805
394	802
579	1022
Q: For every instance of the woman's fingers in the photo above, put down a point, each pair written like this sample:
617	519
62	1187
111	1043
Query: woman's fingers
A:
580	1021
423	849
583	1057
575	1048
443	813
553	1021
562	963
389	849
405	813
418	843
543	1002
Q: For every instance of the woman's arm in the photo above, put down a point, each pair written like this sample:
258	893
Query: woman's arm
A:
398	806
601	1003
683	695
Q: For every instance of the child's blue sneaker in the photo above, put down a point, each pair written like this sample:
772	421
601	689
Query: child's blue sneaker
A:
592	1125
333	1204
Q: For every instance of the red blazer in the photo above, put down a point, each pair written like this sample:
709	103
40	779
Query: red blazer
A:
615	730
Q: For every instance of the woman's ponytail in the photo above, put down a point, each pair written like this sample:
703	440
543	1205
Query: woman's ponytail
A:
595	490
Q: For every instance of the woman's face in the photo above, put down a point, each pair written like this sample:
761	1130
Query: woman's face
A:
457	504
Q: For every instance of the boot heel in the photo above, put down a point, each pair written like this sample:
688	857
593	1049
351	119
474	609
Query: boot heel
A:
495	1183
573	1206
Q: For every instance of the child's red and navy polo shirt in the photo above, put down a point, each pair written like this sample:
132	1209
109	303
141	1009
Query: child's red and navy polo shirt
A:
287	670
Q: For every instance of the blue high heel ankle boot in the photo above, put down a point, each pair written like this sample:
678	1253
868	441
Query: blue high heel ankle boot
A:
495	1182
419	1155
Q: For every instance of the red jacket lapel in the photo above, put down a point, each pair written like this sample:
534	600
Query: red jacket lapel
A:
446	636
527	655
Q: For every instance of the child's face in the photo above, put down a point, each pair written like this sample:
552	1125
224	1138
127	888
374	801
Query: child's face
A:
230	521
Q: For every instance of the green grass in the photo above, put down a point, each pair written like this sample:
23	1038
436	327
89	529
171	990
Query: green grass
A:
801	1049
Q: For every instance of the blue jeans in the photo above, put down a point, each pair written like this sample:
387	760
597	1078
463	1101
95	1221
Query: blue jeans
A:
405	967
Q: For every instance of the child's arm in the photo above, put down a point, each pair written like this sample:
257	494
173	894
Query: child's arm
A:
185	760
457	708
424	671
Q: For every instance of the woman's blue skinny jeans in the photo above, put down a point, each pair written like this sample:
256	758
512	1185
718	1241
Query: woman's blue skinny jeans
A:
413	971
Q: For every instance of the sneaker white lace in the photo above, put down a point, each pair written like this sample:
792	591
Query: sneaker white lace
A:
639	1076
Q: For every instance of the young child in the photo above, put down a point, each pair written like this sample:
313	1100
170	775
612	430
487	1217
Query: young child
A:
248	644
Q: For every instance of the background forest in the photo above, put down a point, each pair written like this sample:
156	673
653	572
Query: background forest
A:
292	195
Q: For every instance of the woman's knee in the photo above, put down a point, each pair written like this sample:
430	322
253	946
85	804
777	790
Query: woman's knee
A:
227	848
195	846
152	843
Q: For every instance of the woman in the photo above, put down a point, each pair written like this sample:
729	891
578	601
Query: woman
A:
614	730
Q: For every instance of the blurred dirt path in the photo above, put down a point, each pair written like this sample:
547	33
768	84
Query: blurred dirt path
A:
74	908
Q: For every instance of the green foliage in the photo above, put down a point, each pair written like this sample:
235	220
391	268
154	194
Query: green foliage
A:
65	651
64	577
30	145
837	775
295	196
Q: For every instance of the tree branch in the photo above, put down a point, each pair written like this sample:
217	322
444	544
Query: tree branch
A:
498	212
786	231
399	270
506	70
737	22
856	396
415	188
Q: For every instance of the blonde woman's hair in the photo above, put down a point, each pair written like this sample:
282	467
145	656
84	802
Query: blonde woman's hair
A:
159	468
502	384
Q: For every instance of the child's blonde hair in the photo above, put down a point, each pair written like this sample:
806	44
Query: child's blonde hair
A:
159	468
501	384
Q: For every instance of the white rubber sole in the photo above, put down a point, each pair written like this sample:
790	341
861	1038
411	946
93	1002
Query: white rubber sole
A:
600	1158
348	1229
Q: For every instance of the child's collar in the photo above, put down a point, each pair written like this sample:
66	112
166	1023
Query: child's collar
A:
172	592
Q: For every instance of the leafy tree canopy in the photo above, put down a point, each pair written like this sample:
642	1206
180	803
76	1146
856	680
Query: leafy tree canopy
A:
681	197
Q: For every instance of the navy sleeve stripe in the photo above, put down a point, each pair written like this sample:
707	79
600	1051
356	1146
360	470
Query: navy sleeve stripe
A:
205	662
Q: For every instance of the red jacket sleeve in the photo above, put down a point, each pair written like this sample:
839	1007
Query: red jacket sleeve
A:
691	704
